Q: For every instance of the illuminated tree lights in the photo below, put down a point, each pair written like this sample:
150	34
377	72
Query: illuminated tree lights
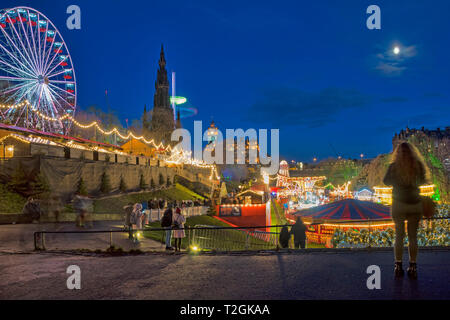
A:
435	233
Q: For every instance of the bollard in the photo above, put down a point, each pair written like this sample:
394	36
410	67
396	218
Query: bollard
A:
43	240
246	241
110	238
35	241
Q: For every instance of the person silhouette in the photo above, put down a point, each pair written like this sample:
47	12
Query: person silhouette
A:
405	174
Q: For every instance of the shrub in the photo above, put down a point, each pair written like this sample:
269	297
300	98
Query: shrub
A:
81	188
122	186
142	184
20	182
161	179
169	183
105	185
152	183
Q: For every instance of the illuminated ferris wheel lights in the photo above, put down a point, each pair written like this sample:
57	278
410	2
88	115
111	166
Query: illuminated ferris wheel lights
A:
32	67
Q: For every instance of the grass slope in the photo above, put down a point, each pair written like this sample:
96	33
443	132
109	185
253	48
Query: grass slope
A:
10	202
115	205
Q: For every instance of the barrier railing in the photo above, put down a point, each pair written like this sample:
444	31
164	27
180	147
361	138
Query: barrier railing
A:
156	214
432	232
226	239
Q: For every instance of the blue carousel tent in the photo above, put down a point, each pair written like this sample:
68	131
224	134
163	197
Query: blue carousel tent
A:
348	209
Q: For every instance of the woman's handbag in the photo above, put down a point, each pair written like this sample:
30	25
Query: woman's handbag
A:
429	207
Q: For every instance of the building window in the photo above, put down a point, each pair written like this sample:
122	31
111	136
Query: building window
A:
6	151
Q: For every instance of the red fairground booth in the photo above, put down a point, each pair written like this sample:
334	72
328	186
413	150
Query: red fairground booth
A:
245	215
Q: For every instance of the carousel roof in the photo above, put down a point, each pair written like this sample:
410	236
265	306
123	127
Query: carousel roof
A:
348	209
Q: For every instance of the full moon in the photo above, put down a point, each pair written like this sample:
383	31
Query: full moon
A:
396	50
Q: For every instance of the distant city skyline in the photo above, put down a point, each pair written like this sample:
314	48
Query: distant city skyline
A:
312	70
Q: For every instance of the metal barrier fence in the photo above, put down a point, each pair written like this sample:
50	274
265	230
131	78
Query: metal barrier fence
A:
226	239
201	237
156	214
432	232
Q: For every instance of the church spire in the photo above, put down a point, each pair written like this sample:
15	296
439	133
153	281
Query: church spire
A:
162	120
162	58
161	80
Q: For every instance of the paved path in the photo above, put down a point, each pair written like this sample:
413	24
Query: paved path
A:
165	276
20	238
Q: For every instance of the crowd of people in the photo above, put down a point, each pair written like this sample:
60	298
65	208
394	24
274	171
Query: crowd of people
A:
137	216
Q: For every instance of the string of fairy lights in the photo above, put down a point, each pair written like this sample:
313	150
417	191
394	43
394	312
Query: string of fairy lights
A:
178	156
95	124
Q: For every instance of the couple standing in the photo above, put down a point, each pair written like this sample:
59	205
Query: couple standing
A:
173	222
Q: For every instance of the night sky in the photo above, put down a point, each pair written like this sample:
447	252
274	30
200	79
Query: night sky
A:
310	68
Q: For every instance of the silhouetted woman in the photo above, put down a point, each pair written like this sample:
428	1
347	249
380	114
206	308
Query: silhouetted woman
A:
284	237
299	231
406	173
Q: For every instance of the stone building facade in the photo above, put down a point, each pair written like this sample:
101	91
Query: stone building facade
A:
436	142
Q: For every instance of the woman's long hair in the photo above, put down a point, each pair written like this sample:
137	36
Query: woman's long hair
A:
408	164
137	207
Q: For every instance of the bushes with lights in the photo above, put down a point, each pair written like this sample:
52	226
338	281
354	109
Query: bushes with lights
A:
431	233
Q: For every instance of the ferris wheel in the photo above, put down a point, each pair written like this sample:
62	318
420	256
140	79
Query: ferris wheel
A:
35	67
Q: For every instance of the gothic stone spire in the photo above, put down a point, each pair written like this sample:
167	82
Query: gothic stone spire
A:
162	122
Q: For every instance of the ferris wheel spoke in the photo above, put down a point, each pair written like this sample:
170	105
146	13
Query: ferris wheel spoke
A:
19	116
15	65
30	49
62	81
45	66
14	70
61	89
8	43
13	88
41	36
45	47
53	69
55	110
19	39
51	65
61	107
55	74
16	79
55	54
18	95
17	61
17	49
33	39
